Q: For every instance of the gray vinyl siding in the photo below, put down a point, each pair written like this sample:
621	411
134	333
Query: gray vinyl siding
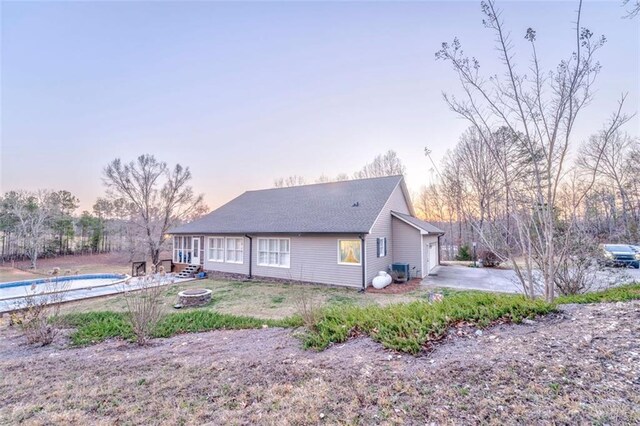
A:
383	228
407	246
313	259
232	268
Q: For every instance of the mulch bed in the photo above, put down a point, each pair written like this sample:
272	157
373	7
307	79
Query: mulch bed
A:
394	288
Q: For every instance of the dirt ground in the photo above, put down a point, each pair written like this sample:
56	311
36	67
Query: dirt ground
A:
581	366
84	264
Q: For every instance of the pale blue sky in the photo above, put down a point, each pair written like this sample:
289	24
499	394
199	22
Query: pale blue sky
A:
243	93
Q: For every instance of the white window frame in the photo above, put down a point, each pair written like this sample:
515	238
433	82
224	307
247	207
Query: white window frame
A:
360	253
209	248
381	247
182	245
279	252
226	250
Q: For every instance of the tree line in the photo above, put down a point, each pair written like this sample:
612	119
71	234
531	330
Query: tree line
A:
387	164
517	181
144	199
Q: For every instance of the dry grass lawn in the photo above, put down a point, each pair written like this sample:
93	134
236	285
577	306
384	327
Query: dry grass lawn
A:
255	298
581	366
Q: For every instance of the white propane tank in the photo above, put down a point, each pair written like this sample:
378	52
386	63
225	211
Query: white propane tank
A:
382	280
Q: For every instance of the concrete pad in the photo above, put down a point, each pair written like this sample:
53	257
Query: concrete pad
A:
501	280
467	278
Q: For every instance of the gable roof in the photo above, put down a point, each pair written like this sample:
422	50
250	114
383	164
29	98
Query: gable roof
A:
418	223
336	207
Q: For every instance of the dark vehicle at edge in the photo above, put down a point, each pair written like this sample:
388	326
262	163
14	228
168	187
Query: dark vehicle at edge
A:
621	255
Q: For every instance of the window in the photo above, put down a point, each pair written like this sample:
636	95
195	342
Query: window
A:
381	246
349	252
235	250
182	249
274	252
216	249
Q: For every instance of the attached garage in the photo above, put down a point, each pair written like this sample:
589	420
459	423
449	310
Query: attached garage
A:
415	242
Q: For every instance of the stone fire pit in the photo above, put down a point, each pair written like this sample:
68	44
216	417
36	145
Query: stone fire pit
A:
194	297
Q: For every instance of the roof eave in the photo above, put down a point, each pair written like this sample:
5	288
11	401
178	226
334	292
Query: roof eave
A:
268	233
413	225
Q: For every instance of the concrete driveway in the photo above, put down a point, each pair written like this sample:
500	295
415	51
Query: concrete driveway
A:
466	278
491	279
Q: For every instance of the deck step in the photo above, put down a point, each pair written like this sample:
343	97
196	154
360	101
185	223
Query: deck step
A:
189	271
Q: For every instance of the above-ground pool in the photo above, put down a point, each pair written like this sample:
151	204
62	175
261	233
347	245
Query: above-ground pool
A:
19	289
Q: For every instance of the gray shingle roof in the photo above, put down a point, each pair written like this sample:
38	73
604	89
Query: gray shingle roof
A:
425	226
319	208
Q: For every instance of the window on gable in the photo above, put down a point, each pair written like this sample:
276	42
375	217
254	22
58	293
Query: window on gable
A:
274	252
381	244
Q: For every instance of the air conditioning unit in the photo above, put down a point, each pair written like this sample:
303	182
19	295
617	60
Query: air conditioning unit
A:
400	270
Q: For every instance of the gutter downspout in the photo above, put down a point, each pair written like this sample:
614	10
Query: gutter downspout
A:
250	254
364	268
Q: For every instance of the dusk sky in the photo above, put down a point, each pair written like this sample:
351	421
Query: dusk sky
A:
243	93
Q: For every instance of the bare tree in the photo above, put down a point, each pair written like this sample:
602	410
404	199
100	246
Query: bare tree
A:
293	180
388	164
159	197
632	8
539	110
606	155
326	179
33	214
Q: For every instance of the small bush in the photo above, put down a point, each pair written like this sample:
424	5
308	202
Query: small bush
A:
489	258
623	293
409	327
94	327
307	308
203	320
144	305
36	313
464	253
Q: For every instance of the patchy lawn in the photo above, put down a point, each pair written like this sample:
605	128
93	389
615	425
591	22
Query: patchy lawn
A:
255	298
578	366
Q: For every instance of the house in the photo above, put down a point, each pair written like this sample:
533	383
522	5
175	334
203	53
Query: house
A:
339	233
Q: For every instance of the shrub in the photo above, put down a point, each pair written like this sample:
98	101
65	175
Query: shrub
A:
144	306
580	269
622	293
36	313
307	308
464	253
489	258
408	327
94	327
